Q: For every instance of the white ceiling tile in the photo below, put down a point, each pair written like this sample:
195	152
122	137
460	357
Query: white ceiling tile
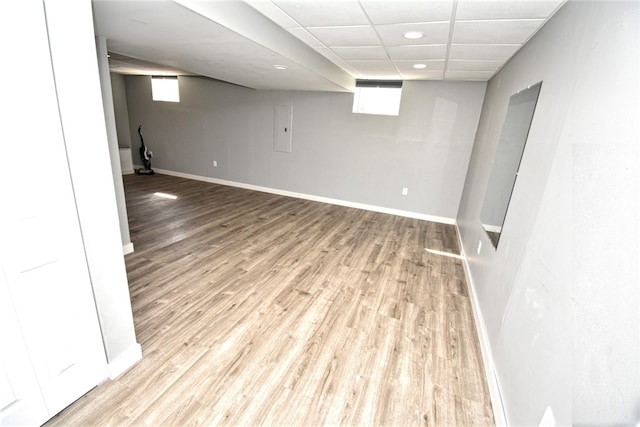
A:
483	10
487	52
421	75
486	33
494	32
376	69
417	52
346	36
373	65
434	33
305	36
273	12
468	75
406	11
324	13
361	53
406	66
453	65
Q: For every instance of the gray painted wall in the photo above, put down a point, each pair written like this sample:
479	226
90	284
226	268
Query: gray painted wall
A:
336	154
559	297
120	110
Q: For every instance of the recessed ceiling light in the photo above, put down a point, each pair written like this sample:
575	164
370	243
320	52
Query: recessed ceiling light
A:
280	67
419	66
413	35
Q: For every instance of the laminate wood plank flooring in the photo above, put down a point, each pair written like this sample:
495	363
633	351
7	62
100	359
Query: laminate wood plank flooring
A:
258	309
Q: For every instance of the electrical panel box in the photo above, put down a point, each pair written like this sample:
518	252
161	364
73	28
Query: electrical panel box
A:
282	121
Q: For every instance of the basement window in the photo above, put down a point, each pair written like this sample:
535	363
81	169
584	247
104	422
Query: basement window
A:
377	97
165	89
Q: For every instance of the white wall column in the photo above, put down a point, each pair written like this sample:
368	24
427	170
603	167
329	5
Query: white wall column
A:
73	54
112	136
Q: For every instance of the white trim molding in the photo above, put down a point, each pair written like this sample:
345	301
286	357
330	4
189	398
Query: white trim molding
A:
127	248
492	228
349	204
125	361
490	373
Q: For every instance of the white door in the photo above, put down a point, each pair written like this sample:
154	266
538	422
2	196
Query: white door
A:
20	399
45	289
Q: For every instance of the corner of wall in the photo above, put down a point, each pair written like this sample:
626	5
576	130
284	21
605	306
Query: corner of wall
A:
127	248
124	361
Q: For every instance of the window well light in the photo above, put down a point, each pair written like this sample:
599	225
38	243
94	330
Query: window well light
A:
377	97
413	35
165	88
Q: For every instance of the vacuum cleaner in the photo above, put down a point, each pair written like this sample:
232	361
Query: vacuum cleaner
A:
145	155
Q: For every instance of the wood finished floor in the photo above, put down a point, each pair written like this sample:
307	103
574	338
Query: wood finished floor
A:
257	309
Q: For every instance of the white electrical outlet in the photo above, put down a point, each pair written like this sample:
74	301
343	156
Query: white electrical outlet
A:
479	247
215	163
405	191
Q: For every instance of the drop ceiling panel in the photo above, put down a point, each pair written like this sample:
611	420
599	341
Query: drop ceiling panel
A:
376	68
407	66
488	52
373	65
361	53
325	43
494	32
345	36
417	53
434	33
379	12
324	13
274	13
455	65
422	75
468	75
486	10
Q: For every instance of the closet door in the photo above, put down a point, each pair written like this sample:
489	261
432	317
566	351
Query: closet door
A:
45	280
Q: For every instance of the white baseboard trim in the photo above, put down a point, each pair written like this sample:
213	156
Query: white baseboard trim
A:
124	361
356	205
128	248
495	394
127	171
